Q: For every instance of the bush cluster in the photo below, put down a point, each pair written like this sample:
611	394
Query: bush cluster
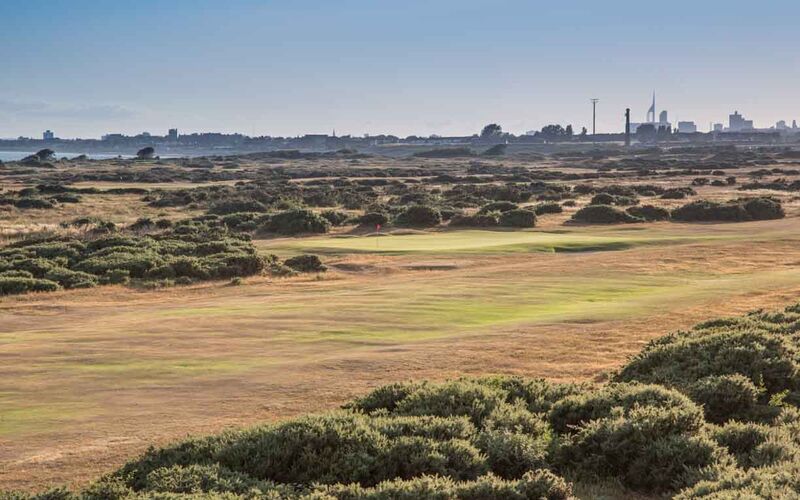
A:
518	218
649	213
419	216
677	193
603	214
747	209
296	221
192	250
612	199
305	264
490	219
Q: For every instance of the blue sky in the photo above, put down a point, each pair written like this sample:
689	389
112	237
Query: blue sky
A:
87	67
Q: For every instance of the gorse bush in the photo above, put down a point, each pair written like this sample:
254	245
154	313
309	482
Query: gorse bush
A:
192	250
419	216
490	219
649	213
518	218
732	211
11	285
297	221
373	219
498	206
677	193
603	214
335	217
715	361
612	199
547	208
306	264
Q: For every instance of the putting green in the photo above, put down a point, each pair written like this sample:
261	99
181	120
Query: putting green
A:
476	241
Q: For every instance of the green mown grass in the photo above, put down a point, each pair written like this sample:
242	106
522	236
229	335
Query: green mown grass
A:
476	241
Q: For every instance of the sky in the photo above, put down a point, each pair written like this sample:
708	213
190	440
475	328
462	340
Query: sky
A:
84	68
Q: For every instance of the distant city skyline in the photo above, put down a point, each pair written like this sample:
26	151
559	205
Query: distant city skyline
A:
85	68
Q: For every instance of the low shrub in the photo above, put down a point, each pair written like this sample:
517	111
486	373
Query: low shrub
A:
15	285
724	397
306	264
28	203
611	199
234	206
603	214
292	222
548	208
243	221
780	481
539	484
515	441
732	211
649	213
335	217
677	193
71	279
116	277
498	206
758	445
569	414
478	220
644	436
518	218
747	347
764	209
194	250
373	219
418	216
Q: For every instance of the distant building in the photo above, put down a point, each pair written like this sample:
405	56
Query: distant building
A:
172	135
781	125
662	118
48	135
737	123
719	127
687	127
314	141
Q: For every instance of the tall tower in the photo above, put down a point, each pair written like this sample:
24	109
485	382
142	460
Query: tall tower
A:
651	113
627	126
